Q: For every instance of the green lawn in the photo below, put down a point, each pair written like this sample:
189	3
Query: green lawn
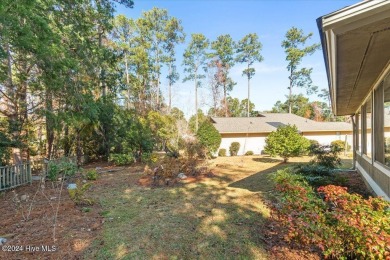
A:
217	218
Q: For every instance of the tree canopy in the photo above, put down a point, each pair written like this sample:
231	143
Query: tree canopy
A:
295	49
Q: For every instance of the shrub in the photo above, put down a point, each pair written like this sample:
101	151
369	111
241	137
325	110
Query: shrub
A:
314	144
222	152
313	169
340	145
78	194
5	150
249	153
208	136
166	171
342	225
318	175
234	148
91	175
149	158
327	156
195	148
56	170
121	159
286	142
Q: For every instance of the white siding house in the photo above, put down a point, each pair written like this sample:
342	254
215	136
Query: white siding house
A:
251	132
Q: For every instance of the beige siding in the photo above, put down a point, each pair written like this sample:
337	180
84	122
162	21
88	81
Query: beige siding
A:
325	138
256	142
377	176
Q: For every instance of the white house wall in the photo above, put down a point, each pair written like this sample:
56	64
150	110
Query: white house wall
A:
256	143
326	139
253	143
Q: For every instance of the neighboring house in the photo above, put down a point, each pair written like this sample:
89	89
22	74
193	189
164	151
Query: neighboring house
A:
251	132
356	46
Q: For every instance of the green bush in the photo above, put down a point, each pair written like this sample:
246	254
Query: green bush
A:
313	169
121	159
56	170
234	148
286	142
341	225
340	145
5	149
91	175
222	152
149	158
314	144
78	195
249	153
208	136
327	156
318	175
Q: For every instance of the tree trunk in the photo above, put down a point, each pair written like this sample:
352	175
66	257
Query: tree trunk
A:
78	147
49	125
290	94
196	104
248	90
224	100
127	83
102	72
170	89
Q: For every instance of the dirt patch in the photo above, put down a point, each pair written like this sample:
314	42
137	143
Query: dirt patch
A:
30	232
355	183
147	180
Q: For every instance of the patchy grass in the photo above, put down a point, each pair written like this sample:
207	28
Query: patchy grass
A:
217	218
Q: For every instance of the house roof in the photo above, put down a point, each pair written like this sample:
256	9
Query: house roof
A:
269	122
355	44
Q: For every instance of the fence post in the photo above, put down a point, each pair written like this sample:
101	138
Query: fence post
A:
29	177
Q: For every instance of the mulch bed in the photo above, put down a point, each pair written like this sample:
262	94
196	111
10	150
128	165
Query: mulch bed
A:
30	234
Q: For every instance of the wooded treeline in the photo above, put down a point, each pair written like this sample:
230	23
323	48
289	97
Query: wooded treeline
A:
76	80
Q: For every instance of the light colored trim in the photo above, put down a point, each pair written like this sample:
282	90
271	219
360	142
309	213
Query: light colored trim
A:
332	58
356	16
382	168
378	191
366	158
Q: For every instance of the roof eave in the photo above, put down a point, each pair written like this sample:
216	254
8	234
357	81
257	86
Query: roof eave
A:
339	22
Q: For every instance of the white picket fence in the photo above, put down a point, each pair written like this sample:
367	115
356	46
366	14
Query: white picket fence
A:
14	175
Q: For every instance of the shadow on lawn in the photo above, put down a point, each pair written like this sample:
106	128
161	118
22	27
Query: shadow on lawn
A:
202	220
267	160
260	182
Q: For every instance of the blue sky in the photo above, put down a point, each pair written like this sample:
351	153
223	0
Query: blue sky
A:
269	19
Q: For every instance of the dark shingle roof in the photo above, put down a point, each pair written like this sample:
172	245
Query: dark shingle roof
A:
269	122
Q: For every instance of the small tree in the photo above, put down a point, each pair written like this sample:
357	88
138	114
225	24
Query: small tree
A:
286	142
340	145
209	136
234	148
